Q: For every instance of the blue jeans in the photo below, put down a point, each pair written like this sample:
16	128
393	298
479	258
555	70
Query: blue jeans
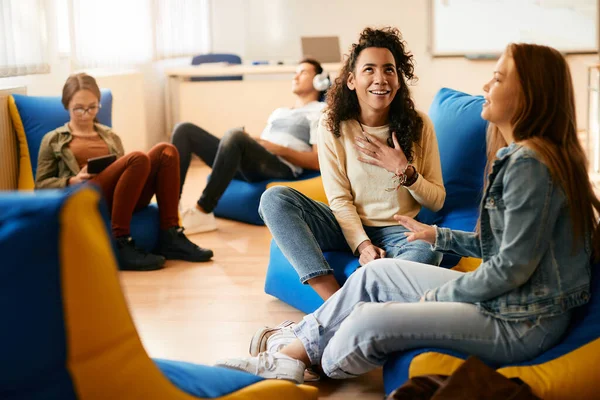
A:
377	312
304	228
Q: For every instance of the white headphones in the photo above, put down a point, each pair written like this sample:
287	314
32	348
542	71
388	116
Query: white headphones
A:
321	81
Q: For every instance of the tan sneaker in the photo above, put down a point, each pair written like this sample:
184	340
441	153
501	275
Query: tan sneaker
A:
274	339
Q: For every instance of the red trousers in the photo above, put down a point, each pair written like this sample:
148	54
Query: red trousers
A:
129	183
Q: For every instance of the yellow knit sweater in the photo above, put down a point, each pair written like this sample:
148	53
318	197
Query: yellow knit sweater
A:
356	191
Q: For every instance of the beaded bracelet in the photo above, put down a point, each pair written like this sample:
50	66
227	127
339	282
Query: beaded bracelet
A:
401	179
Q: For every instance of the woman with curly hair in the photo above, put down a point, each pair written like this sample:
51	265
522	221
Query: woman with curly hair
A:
538	231
378	158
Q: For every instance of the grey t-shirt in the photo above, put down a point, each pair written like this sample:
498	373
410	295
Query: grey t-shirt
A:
295	128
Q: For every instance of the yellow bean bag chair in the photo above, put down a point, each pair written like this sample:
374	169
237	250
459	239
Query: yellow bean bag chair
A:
312	188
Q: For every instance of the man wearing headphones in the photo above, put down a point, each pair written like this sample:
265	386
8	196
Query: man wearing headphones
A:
286	147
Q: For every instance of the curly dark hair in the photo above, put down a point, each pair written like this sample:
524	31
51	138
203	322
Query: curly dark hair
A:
403	118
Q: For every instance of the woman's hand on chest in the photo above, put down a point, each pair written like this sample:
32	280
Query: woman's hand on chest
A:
376	152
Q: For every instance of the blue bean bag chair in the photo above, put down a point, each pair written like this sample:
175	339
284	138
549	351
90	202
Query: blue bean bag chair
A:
66	329
461	135
241	199
33	117
568	370
282	280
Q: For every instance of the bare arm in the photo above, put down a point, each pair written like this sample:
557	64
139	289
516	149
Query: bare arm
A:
303	159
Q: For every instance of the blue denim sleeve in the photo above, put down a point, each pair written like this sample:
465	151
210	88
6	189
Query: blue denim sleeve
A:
532	206
465	244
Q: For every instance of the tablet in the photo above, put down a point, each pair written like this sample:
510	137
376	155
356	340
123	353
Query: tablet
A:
98	164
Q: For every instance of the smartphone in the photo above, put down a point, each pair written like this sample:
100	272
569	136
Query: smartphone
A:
98	164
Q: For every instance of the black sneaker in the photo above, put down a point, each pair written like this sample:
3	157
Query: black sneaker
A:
132	258
174	245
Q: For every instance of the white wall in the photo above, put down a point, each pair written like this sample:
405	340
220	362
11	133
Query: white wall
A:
271	29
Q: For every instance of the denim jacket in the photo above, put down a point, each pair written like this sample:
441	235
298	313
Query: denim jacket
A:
532	265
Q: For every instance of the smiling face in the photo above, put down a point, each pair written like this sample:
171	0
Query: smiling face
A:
502	93
375	79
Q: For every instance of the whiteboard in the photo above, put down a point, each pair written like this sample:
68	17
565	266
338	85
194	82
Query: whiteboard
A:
480	27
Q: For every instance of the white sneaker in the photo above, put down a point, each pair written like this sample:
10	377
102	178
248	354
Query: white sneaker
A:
269	366
272	339
195	221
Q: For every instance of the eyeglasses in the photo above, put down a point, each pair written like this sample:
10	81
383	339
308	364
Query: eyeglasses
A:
92	110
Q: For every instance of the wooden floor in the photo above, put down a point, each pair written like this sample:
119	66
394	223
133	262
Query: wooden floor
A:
207	311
